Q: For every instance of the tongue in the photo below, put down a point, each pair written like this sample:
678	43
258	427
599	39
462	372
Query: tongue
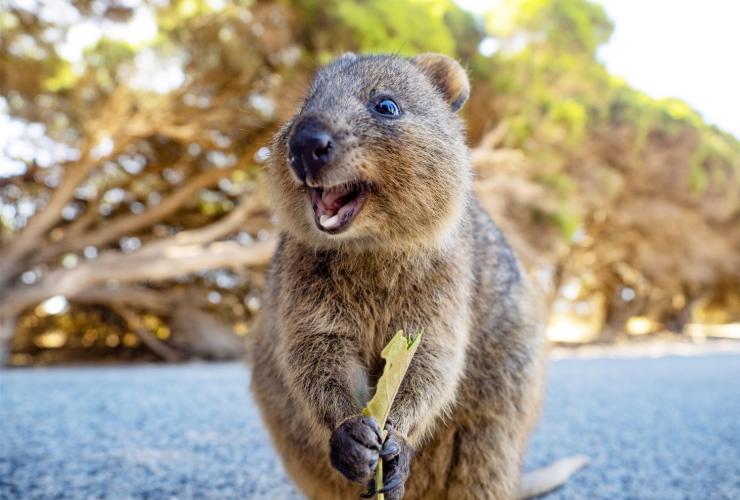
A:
331	197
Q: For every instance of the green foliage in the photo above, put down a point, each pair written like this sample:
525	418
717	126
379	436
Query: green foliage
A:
557	97
572	115
62	78
403	27
576	26
567	221
561	183
179	12
382	26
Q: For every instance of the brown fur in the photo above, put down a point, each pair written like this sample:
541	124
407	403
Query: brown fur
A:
421	254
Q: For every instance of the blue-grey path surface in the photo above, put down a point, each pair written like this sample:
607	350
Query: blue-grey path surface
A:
665	428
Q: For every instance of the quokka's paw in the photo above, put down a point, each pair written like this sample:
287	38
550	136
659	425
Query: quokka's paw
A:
396	454
355	447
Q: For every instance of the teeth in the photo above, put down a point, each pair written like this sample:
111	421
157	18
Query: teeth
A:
329	222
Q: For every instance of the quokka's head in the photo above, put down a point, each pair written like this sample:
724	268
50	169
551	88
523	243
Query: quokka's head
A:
376	154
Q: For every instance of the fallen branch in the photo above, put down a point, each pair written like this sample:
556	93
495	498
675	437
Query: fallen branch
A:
152	342
7	329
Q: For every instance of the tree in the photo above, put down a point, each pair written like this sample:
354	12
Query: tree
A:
642	191
154	184
130	181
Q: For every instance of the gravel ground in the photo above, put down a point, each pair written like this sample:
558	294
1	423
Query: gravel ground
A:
665	428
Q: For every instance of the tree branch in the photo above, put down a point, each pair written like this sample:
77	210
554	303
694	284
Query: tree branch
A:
164	263
129	224
156	301
33	233
111	121
248	206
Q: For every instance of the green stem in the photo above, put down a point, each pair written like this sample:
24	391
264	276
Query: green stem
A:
379	479
379	469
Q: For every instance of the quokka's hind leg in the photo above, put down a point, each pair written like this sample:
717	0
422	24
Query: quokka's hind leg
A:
486	462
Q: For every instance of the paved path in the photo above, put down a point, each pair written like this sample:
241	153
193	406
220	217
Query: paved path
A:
666	428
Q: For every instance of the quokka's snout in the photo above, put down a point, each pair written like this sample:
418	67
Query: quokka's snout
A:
312	147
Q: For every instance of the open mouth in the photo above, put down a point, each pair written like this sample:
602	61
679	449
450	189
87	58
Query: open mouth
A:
336	207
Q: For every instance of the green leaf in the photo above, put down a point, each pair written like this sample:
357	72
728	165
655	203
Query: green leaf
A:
397	355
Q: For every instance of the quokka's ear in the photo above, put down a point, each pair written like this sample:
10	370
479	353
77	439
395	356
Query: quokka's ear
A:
447	75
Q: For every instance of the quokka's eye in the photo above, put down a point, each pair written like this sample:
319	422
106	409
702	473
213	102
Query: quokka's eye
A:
388	107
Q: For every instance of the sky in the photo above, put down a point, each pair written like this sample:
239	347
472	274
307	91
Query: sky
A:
680	48
688	49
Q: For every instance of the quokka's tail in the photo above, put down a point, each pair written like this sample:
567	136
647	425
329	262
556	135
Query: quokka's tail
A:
540	481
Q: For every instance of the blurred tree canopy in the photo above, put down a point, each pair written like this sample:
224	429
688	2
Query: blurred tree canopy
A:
133	222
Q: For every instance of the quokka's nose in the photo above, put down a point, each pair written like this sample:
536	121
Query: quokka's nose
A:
311	148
